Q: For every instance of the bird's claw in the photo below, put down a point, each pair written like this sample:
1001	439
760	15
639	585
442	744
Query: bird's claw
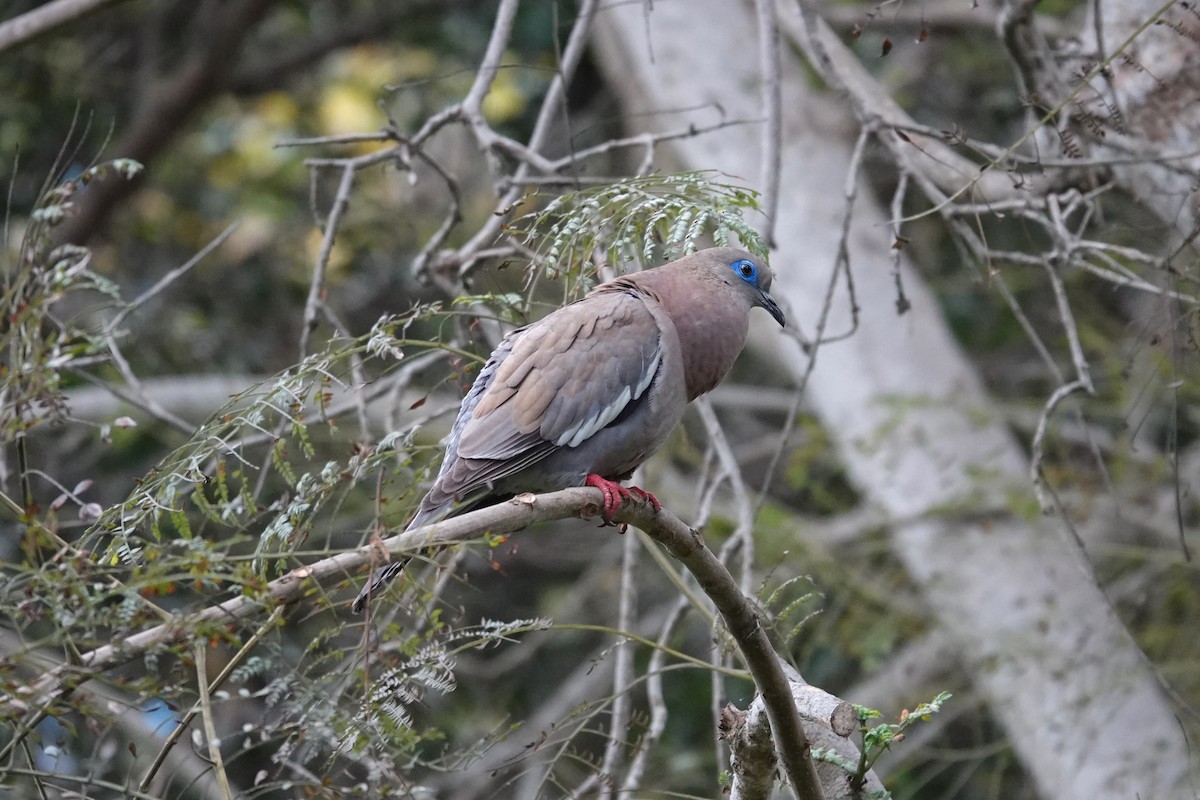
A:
646	496
615	494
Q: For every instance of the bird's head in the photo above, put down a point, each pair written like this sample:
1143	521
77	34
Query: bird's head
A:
747	275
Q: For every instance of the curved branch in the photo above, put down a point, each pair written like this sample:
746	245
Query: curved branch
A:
687	546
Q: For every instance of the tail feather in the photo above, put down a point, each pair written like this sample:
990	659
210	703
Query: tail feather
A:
390	570
377	583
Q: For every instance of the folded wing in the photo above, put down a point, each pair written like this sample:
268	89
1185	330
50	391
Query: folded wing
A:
551	385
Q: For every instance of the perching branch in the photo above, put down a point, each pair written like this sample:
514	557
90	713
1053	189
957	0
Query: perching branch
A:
741	620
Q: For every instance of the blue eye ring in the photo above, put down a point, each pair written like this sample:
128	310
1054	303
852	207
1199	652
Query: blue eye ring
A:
746	270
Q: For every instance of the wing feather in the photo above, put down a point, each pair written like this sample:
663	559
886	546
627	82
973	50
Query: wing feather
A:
553	384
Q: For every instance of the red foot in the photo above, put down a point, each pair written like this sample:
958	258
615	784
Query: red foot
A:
615	494
646	496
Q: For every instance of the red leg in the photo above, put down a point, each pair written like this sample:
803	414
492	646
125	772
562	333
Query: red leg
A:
615	494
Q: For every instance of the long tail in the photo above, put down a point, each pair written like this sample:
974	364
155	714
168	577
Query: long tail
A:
390	570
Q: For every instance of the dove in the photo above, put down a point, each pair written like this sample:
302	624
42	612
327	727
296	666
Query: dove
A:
588	393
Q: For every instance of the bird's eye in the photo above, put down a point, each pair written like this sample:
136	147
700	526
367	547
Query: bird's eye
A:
746	270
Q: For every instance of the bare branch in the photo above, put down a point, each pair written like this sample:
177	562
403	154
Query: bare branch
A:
200	654
654	698
316	286
551	105
472	104
622	670
827	719
743	534
46	18
1039	437
136	394
875	108
169	278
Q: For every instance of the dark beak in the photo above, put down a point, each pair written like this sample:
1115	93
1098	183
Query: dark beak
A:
768	302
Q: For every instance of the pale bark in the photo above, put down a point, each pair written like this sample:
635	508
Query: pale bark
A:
830	723
913	422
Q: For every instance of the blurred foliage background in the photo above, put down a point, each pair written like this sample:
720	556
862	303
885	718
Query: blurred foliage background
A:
220	102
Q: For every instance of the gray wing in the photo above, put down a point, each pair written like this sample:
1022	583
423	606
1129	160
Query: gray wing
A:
550	385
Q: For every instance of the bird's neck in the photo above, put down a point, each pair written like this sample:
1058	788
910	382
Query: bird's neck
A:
712	330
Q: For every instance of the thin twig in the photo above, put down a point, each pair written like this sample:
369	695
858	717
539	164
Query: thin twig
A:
454	216
166	280
1174	435
902	303
648	141
842	263
358	376
200	653
654	699
182	724
138	398
1039	436
622	670
1082	370
316	287
743	534
811	347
